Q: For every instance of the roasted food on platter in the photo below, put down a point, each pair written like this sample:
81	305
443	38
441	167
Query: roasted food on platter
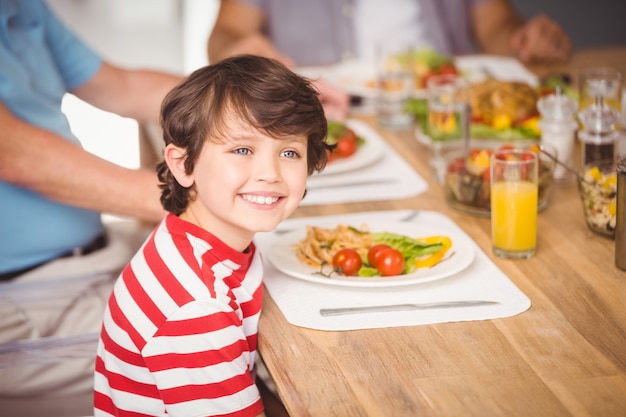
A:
502	103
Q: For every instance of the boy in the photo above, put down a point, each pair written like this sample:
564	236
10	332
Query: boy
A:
180	330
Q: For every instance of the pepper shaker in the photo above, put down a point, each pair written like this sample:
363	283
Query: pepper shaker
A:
620	215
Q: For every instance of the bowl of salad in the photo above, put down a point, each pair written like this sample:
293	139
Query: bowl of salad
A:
597	185
467	178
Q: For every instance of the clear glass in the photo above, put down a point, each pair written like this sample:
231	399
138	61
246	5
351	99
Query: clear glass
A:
447	100
395	84
514	195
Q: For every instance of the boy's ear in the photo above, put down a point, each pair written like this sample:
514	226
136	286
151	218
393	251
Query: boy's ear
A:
175	159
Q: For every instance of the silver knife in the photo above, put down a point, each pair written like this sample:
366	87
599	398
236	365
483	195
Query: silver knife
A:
403	307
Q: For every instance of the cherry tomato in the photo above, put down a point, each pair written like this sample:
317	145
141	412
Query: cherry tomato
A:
506	147
449	69
330	155
457	165
486	177
374	252
390	262
346	132
347	262
346	147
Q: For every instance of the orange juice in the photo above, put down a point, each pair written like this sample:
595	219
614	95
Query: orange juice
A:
514	215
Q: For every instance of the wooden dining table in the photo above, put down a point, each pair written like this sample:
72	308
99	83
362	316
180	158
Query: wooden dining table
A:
565	356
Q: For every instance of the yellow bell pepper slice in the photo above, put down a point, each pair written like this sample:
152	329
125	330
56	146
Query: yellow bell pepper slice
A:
502	121
434	258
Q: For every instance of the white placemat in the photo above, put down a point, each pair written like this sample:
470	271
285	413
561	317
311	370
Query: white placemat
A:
388	177
300	301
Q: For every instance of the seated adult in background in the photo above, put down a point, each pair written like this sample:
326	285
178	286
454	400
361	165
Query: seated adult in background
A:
52	191
323	32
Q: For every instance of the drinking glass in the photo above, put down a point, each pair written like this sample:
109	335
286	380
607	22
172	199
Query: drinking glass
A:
447	97
514	194
395	82
448	119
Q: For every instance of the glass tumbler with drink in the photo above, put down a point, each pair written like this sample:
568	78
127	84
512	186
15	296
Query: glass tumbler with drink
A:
448	118
514	194
396	83
447	97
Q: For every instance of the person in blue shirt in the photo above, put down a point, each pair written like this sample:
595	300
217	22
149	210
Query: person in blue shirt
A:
53	192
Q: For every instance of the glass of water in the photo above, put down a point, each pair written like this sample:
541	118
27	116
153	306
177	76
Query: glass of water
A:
395	84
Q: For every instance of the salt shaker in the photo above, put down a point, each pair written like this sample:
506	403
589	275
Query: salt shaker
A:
599	134
620	215
558	126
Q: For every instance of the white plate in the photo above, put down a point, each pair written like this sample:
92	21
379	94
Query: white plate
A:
358	78
283	256
369	152
477	67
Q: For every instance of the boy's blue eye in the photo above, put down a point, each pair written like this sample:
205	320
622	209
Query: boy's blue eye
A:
242	151
290	154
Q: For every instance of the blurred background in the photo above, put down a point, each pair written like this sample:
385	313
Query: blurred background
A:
590	23
172	34
169	35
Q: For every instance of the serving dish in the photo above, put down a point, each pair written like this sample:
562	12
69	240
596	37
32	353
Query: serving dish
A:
467	179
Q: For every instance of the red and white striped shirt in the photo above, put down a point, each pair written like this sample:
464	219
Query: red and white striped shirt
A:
179	334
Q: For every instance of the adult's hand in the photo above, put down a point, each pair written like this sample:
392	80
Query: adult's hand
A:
336	103
541	39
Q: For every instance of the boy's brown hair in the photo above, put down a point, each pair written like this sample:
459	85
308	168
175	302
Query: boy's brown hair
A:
260	91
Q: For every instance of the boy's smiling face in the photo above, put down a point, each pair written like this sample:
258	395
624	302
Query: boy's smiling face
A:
245	183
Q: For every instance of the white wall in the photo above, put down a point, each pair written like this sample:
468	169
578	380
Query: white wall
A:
167	35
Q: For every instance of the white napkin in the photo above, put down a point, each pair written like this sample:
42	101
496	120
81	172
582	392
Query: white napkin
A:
300	301
387	177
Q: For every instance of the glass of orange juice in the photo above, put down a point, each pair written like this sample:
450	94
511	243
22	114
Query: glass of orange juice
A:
514	193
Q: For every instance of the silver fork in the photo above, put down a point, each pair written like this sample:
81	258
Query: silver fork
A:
407	218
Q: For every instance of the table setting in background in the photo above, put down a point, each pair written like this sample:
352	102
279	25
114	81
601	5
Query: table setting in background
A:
468	108
374	172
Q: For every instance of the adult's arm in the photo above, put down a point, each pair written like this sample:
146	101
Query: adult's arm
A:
41	161
499	29
238	30
136	94
48	164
